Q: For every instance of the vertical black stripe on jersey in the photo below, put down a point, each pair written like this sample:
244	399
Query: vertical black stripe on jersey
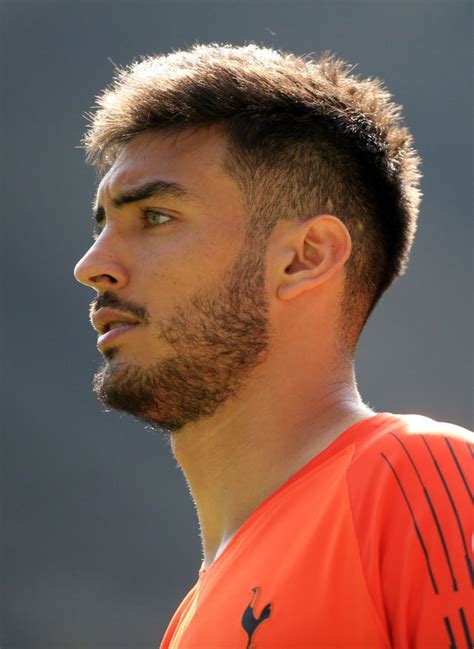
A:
459	468
447	624
417	529
470	449
456	513
465	628
433	513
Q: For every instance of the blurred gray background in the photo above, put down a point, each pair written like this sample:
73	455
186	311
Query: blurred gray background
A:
99	539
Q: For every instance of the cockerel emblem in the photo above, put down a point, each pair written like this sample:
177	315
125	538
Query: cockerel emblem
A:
250	622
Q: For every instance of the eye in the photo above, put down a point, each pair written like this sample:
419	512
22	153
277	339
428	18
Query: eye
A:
98	227
154	218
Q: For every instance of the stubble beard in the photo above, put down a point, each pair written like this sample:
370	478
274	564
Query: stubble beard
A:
218	337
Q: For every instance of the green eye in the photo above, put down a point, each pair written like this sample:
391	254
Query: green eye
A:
155	218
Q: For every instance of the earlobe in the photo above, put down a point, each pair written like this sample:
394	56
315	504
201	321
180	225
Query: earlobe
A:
321	247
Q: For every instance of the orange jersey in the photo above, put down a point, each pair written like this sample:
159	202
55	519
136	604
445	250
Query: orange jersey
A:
366	546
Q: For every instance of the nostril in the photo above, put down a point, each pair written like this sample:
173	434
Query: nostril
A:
99	273
100	278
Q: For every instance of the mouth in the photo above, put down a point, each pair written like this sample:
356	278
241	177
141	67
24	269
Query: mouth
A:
112	332
110	324
114	325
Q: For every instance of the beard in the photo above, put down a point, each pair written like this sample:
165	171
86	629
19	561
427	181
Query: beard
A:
217	338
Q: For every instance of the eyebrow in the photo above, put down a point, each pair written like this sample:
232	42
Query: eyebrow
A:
151	189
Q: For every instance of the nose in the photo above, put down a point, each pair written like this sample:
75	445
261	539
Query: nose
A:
100	269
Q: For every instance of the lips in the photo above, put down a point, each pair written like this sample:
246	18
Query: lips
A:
111	323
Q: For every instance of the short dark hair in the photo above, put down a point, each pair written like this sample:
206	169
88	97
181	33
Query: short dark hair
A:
305	137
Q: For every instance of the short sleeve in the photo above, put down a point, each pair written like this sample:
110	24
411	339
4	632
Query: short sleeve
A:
411	499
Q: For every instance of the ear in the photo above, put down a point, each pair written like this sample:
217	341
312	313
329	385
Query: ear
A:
319	248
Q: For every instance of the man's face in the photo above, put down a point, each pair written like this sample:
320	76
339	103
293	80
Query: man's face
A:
177	263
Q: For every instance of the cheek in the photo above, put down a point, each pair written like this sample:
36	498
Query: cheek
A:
174	275
171	269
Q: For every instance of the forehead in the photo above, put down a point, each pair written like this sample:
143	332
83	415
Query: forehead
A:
194	159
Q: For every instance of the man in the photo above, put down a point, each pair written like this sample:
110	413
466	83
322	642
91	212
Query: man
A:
253	208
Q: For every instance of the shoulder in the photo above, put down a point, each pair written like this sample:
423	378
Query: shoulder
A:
408	468
411	493
413	441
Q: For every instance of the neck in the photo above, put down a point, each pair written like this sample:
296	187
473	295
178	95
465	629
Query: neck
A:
236	459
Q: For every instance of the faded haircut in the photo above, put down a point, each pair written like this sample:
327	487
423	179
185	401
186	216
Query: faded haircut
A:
305	137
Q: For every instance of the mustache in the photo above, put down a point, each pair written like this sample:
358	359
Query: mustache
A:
110	300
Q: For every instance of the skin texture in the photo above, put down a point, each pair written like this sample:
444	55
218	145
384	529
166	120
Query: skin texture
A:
238	351
217	338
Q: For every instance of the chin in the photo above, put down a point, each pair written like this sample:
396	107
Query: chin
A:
110	353
121	386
